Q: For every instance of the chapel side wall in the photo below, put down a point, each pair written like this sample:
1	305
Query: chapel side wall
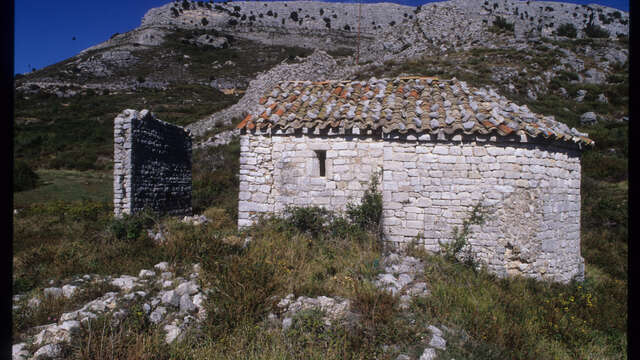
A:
532	226
278	171
255	179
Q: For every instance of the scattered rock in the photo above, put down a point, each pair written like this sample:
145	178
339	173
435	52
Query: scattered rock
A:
438	342
428	354
195	220
18	352
563	92
69	290
434	330
171	298
174	333
186	305
580	95
603	99
34	302
146	273
588	118
532	95
51	333
49	351
125	282
188	288
53	292
158	314
593	76
163	266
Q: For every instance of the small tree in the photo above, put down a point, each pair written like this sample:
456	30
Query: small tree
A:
205	22
595	31
567	30
502	23
24	178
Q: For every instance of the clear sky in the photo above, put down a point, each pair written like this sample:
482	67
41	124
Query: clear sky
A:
45	29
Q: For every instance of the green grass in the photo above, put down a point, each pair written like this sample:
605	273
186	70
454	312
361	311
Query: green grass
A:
67	185
522	318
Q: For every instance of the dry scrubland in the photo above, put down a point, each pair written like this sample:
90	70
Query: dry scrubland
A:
512	318
64	227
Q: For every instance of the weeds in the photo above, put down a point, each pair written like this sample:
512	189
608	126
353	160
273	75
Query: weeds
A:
368	215
453	250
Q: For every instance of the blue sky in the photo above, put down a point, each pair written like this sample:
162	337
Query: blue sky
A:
44	29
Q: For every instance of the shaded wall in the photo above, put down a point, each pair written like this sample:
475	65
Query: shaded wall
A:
152	165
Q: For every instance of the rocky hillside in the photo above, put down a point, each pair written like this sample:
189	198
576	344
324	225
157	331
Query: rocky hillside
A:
190	62
270	291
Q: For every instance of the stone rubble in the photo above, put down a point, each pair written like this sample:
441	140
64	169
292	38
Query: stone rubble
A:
399	278
588	118
176	309
335	309
195	220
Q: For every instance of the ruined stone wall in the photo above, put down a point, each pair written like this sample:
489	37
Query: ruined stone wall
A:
530	193
152	165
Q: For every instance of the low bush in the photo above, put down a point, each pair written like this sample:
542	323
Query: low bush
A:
130	227
502	24
368	214
595	31
568	30
24	178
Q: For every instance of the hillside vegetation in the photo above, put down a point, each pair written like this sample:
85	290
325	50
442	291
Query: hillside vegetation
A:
63	227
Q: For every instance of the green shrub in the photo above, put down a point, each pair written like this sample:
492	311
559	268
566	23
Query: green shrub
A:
308	328
311	220
503	24
568	30
130	227
368	214
24	178
595	31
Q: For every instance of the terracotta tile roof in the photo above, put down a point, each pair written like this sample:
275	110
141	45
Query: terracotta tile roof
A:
406	105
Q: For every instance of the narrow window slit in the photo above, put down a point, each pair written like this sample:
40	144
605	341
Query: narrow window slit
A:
322	156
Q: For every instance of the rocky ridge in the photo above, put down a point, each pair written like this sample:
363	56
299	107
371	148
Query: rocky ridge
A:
388	31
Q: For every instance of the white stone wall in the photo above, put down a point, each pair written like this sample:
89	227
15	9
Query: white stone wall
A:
284	170
531	193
